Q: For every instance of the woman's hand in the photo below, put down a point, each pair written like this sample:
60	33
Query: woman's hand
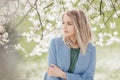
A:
56	71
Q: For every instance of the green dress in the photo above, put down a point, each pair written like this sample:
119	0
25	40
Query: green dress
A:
74	54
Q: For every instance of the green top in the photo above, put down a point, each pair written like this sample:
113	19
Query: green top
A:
74	53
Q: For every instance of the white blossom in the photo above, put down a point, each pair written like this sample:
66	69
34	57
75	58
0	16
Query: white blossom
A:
94	29
19	47
102	26
115	33
51	22
3	36
112	25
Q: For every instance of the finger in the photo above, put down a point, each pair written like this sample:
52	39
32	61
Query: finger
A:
50	68
52	65
49	73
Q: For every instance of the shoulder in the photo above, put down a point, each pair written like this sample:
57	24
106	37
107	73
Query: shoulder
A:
56	43
91	47
56	40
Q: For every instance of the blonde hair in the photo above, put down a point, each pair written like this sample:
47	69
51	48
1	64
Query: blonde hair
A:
83	33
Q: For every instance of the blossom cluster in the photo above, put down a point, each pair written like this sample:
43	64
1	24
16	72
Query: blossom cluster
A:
3	36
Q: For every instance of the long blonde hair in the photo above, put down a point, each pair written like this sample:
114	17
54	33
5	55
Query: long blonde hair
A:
83	33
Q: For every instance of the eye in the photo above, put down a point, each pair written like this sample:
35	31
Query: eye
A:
69	23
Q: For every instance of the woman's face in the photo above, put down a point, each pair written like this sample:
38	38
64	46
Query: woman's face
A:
68	27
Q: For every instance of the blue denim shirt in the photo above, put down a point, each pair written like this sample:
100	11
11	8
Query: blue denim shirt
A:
59	54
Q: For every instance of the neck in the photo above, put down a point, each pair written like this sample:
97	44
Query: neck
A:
73	39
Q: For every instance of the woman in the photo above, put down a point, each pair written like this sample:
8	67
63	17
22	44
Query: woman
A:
72	56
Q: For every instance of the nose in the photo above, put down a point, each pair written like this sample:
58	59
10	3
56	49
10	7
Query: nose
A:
64	26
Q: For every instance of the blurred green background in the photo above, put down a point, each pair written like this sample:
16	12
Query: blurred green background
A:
37	21
107	66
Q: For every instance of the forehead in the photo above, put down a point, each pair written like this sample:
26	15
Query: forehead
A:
66	18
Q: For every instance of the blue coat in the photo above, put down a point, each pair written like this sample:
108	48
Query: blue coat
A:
59	54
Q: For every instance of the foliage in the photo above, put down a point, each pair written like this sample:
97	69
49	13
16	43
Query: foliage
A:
38	21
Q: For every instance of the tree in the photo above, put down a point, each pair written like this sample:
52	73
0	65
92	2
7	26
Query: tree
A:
38	21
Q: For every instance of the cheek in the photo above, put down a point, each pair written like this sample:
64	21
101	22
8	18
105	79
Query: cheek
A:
72	30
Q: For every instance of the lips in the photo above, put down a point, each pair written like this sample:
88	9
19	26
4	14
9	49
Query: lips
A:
65	31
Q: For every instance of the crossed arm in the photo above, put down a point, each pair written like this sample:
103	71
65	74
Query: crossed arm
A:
55	73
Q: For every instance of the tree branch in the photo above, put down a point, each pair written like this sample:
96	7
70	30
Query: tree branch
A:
51	3
113	5
39	20
90	4
25	15
101	7
108	18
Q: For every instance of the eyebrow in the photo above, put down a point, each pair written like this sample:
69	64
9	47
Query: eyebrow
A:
67	21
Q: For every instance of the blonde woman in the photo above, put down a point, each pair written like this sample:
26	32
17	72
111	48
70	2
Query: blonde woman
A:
72	56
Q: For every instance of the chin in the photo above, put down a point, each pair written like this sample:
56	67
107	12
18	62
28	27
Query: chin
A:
66	35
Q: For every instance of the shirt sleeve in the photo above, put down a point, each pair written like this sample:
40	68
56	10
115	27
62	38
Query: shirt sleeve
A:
89	73
51	59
